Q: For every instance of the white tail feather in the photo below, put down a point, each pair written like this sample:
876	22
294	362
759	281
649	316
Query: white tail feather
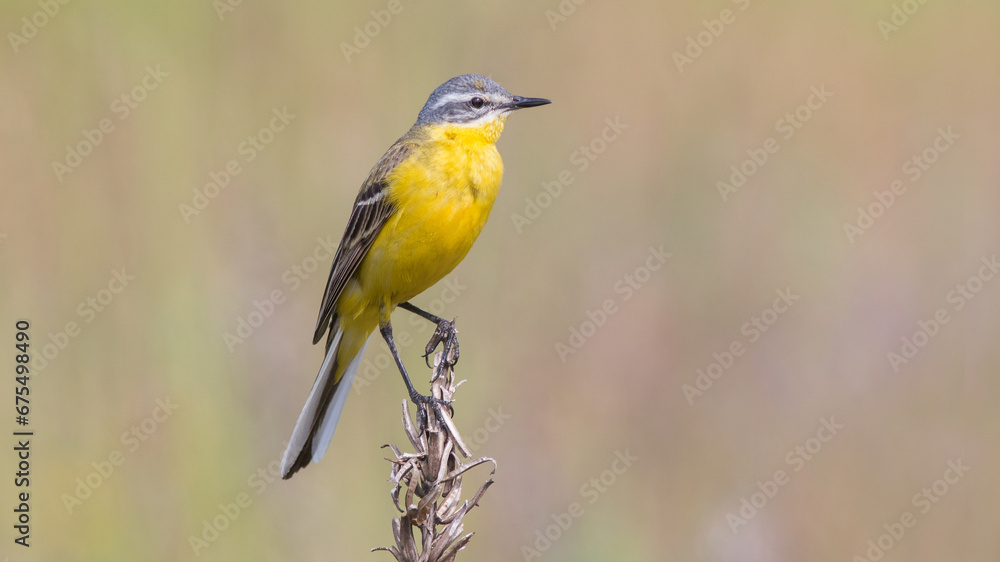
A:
308	414
325	432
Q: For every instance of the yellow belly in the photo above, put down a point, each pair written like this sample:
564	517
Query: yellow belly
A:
443	195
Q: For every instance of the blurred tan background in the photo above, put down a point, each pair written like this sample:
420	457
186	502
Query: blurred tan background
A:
583	342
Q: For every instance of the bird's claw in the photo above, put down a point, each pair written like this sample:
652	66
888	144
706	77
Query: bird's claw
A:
446	333
422	401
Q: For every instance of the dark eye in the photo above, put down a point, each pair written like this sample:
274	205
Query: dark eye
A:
476	102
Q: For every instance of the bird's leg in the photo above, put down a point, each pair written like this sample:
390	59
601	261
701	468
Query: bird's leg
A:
419	399
445	332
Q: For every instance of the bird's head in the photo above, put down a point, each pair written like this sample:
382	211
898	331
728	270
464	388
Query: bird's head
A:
473	101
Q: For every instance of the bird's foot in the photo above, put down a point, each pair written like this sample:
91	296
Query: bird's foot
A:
424	401
447	334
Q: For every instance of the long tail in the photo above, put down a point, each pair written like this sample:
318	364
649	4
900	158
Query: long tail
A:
318	420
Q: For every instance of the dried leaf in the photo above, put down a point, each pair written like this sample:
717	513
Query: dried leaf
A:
432	477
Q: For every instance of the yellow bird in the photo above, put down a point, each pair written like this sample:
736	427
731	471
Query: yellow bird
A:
416	217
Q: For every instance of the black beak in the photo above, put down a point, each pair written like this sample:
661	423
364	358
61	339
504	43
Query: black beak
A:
520	103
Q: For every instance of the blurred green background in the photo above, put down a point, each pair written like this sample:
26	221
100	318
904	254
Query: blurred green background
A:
581	343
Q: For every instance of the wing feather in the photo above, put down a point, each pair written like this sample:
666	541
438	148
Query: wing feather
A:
372	209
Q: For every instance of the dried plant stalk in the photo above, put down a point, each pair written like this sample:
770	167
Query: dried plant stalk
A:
430	479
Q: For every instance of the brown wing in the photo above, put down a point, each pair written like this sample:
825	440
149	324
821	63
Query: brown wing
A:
371	210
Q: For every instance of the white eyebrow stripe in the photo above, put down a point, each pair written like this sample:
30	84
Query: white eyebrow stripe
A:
452	97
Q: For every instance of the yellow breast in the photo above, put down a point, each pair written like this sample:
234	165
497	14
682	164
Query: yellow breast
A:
443	195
